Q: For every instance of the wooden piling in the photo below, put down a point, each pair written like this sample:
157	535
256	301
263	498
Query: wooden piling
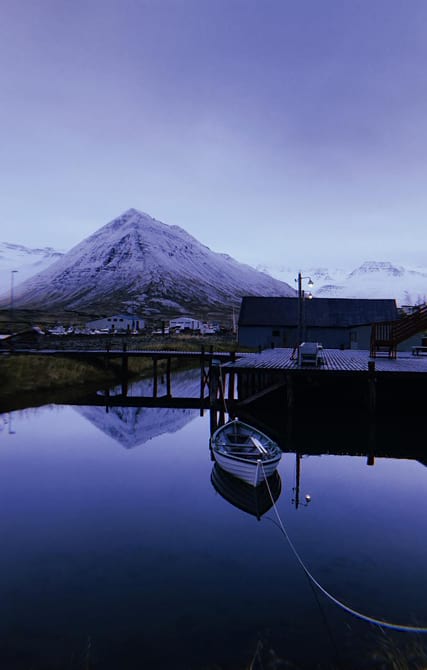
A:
125	367
168	377
372	387
289	393
155	381
231	378
202	373
213	383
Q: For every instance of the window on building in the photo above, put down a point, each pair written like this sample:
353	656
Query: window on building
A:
275	333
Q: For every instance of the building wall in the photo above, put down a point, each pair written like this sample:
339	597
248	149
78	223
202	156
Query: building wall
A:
185	322
262	336
330	338
117	323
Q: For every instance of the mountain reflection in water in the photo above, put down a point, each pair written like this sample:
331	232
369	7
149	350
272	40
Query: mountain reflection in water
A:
132	426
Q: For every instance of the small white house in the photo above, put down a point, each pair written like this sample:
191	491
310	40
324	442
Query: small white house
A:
184	323
118	323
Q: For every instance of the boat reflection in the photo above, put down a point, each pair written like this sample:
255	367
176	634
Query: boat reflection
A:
252	500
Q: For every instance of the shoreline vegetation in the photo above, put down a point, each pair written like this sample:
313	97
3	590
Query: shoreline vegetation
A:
52	378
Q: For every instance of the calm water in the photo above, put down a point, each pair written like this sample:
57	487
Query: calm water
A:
118	552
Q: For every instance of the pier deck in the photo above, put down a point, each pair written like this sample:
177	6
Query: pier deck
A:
333	360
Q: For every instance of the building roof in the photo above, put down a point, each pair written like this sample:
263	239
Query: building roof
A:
318	312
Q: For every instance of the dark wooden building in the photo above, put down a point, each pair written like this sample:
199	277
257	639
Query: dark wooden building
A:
336	323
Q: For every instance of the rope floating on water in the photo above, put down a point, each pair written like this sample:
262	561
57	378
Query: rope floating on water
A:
378	622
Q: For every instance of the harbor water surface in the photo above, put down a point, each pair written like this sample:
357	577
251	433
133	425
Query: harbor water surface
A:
119	551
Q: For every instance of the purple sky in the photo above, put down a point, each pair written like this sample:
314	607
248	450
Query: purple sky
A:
277	131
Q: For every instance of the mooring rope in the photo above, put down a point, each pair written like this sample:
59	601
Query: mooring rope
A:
378	622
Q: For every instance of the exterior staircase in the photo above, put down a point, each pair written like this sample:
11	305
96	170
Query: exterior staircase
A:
385	336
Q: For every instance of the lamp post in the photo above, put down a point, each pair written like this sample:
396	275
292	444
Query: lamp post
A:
296	489
12	272
300	304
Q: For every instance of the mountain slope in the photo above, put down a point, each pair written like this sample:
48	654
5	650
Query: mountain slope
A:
372	279
379	279
25	260
138	264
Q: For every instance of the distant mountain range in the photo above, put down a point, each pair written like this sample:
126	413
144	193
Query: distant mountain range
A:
139	265
372	279
27	261
136	264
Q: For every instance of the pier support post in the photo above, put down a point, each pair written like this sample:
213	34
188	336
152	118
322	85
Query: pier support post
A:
154	377
202	375
289	393
289	408
231	379
213	383
125	370
168	378
213	424
214	391
372	387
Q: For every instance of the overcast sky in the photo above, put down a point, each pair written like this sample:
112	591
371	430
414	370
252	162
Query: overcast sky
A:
277	131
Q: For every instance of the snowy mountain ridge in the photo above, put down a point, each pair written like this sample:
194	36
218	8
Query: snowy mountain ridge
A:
372	279
140	265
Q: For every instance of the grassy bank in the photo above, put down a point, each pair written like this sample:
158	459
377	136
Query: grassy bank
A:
29	381
32	373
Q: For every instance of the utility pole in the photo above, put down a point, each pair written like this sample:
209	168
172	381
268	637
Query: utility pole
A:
12	273
300	306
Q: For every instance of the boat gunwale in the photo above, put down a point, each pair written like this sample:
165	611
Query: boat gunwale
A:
250	458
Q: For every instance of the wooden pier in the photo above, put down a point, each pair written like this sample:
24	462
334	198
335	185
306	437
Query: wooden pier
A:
229	380
207	360
344	376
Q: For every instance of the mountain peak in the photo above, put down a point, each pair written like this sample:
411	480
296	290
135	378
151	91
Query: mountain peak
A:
383	267
132	212
137	264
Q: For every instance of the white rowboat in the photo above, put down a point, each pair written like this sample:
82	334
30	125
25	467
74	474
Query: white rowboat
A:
245	452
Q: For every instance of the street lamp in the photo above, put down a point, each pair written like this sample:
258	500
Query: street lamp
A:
300	303
12	272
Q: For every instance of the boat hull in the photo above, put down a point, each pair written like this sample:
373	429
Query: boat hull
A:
251	473
245	452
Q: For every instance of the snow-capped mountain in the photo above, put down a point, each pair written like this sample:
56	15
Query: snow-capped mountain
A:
26	261
372	279
138	264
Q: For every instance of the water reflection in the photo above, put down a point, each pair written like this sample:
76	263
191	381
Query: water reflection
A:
253	500
129	558
133	426
6	422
